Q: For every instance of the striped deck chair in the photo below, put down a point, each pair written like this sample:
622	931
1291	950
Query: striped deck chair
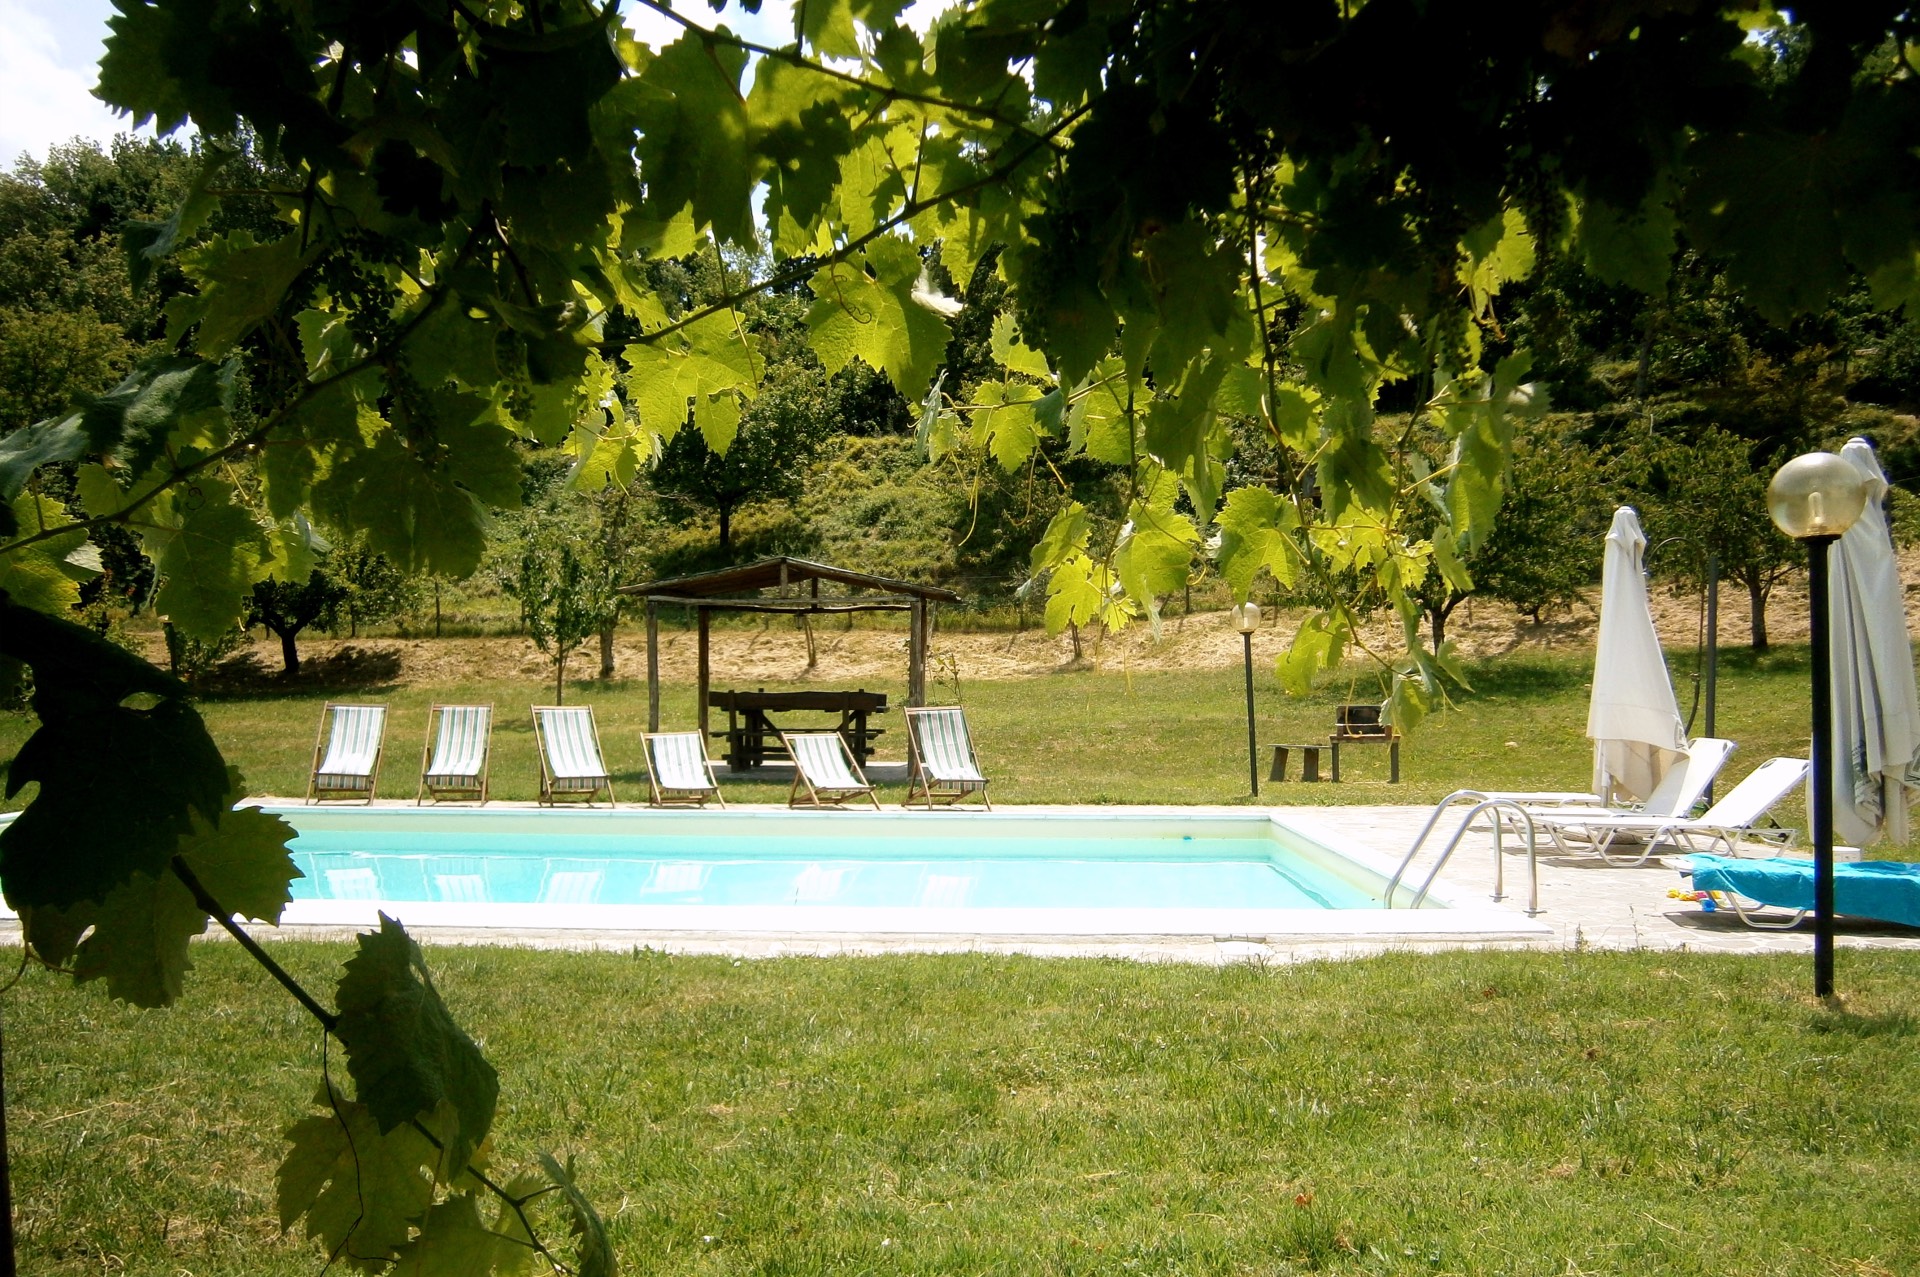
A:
459	738
346	752
941	763
570	764
679	770
823	763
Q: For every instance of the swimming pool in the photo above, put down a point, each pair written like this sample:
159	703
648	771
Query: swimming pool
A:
1072	872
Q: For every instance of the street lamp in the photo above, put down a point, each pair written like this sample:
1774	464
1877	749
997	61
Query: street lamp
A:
1814	499
1246	618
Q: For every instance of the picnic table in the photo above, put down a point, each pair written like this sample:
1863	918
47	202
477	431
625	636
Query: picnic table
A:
753	736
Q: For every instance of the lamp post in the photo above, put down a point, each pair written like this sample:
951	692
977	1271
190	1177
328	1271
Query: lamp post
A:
1246	618
1814	499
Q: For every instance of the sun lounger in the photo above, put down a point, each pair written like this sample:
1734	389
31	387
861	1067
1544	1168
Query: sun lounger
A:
1679	791
1888	890
941	764
1734	818
453	762
824	765
571	769
346	753
679	770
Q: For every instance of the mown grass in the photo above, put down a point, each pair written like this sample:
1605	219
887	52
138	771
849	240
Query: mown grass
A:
1469	1113
1106	735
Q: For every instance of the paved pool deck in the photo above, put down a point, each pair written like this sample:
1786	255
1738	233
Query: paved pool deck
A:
1584	903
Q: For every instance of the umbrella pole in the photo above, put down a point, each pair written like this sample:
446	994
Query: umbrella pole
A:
1822	762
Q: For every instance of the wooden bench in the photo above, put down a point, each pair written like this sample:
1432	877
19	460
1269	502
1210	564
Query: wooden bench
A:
1309	762
753	736
1362	725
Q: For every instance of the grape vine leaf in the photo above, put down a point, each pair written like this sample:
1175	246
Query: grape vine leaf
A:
131	422
1254	533
593	1254
242	283
1317	645
46	575
404	1051
1066	534
1003	421
208	562
864	309
360	1188
67	845
455	1241
694	132
147	243
140	932
1013	354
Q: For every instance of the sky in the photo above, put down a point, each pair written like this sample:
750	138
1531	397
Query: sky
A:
50	49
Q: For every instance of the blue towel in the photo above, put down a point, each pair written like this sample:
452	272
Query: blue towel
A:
1885	889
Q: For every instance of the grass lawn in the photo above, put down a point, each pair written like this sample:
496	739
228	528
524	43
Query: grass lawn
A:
1091	736
1472	1113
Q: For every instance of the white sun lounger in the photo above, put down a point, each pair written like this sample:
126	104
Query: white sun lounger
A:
571	769
346	753
1725	824
827	768
941	763
459	739
1679	791
679	770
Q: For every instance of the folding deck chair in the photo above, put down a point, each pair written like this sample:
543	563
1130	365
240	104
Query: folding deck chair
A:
346	753
941	762
453	761
1885	890
823	763
679	770
570	761
1725	824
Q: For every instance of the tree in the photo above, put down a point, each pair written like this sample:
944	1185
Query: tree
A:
1708	492
462	199
563	600
766	461
374	589
287	608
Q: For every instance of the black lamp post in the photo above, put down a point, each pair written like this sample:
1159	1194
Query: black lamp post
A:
1814	499
1246	618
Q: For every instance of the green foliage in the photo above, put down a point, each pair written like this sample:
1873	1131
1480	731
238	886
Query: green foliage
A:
405	1053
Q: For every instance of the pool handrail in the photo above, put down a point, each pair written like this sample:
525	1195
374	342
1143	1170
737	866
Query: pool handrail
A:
1481	803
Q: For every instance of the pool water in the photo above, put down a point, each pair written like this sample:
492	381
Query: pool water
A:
966	860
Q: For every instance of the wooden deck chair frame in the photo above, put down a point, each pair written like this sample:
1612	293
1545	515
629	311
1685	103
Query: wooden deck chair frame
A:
551	797
932	791
668	796
324	737
454	793
829	795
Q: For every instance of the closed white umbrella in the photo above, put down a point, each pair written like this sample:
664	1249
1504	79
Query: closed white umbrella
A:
1876	711
1633	717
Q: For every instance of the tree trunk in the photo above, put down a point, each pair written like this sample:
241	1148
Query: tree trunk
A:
726	528
560	679
1757	604
1437	622
813	655
606	650
289	654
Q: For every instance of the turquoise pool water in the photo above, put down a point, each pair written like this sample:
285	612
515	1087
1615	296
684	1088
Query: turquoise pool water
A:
859	860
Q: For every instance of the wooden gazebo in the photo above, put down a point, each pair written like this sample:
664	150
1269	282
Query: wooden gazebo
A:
792	586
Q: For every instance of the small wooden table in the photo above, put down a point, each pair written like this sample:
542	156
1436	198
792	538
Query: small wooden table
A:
1309	762
753	736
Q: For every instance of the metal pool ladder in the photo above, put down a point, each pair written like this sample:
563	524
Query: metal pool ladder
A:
1481	803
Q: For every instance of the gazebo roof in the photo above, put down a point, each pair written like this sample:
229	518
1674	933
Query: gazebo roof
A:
731	586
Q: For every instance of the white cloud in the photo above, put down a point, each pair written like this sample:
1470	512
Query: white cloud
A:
46	81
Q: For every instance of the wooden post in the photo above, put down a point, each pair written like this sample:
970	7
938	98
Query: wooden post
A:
701	690
917	654
653	666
